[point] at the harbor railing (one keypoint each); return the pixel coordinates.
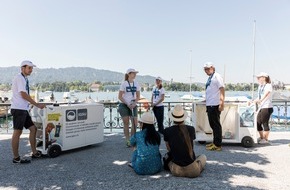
(112, 120)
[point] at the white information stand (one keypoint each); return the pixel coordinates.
(66, 127)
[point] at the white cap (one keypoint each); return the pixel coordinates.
(208, 65)
(132, 71)
(262, 74)
(29, 63)
(158, 78)
(147, 117)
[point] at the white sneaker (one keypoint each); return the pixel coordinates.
(263, 141)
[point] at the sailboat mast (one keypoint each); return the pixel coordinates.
(190, 59)
(254, 57)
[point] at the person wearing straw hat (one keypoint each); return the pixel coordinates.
(19, 110)
(157, 98)
(214, 97)
(129, 95)
(264, 101)
(146, 158)
(179, 143)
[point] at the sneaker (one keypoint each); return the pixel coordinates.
(128, 144)
(214, 147)
(20, 161)
(209, 145)
(263, 141)
(37, 155)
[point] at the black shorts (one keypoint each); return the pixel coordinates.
(21, 118)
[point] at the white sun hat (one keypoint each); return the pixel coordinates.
(147, 117)
(177, 114)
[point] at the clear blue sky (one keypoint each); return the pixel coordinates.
(152, 36)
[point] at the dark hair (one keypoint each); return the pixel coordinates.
(184, 132)
(160, 86)
(126, 76)
(151, 136)
(267, 79)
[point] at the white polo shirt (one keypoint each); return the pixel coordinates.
(129, 91)
(212, 92)
(19, 85)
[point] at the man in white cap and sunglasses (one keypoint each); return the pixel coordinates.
(214, 96)
(19, 111)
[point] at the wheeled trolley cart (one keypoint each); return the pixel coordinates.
(65, 127)
(238, 124)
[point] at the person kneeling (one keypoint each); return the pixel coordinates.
(146, 158)
(181, 160)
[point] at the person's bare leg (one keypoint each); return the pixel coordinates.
(266, 135)
(261, 133)
(32, 139)
(126, 127)
(15, 142)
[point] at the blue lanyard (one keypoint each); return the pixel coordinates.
(131, 88)
(27, 83)
(261, 91)
(208, 81)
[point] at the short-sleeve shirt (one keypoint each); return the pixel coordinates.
(178, 147)
(147, 159)
(19, 85)
(129, 90)
(262, 90)
(157, 94)
(212, 92)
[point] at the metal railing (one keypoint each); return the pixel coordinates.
(112, 119)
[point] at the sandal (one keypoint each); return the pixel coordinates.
(18, 160)
(36, 155)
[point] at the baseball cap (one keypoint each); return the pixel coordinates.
(132, 71)
(208, 65)
(158, 78)
(29, 63)
(262, 74)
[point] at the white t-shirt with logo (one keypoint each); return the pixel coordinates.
(262, 90)
(129, 90)
(157, 95)
(19, 85)
(212, 92)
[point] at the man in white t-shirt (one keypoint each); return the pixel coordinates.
(215, 95)
(19, 111)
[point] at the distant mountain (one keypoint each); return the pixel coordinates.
(70, 74)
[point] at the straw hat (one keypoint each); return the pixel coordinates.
(177, 114)
(147, 117)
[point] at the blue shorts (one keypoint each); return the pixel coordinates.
(125, 111)
(21, 118)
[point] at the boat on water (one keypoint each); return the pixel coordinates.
(166, 95)
(190, 97)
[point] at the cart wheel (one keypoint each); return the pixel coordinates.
(54, 151)
(201, 142)
(247, 142)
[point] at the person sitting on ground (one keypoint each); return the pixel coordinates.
(179, 143)
(146, 158)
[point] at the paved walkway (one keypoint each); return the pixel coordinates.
(104, 166)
